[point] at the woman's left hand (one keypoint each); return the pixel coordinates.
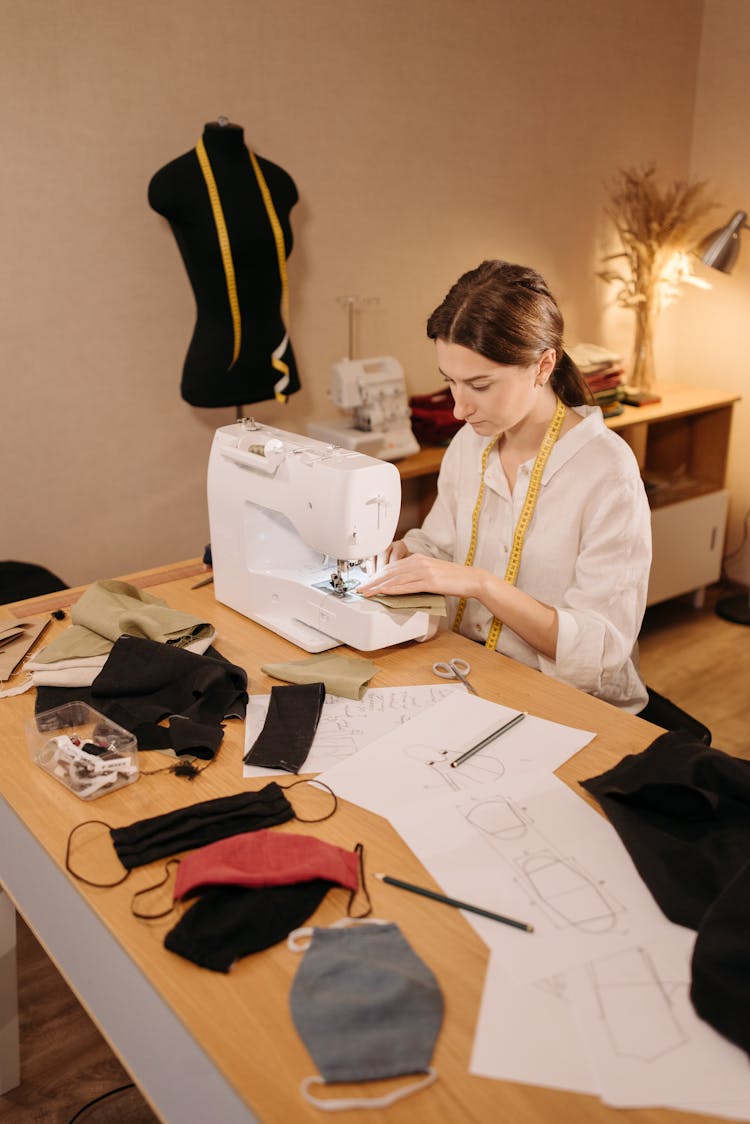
(420, 573)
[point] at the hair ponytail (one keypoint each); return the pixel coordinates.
(569, 384)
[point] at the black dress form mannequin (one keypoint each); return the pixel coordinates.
(212, 376)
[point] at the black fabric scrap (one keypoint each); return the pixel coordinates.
(144, 682)
(682, 810)
(292, 719)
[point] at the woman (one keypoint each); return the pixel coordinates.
(541, 534)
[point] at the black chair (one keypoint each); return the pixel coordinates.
(19, 580)
(663, 712)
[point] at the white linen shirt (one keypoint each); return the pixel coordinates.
(587, 551)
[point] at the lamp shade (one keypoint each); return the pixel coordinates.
(720, 248)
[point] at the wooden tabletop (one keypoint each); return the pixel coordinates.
(242, 1020)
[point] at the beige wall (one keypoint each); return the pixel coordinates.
(713, 327)
(423, 135)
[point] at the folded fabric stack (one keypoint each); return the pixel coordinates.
(148, 667)
(432, 417)
(103, 613)
(604, 374)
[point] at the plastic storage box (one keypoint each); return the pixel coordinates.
(88, 753)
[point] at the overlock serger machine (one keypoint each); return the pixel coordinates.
(294, 524)
(373, 392)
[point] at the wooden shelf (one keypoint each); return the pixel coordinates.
(424, 463)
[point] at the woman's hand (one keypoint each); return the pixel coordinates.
(419, 573)
(532, 620)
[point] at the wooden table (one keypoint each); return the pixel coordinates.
(205, 1046)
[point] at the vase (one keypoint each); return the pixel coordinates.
(643, 374)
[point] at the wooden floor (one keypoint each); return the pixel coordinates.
(695, 658)
(702, 663)
(65, 1062)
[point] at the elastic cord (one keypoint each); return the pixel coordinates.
(320, 784)
(297, 936)
(342, 1103)
(148, 889)
(79, 877)
(359, 850)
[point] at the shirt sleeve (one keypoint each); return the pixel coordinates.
(437, 535)
(600, 616)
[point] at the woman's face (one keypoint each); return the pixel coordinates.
(491, 397)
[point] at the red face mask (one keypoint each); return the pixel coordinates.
(265, 858)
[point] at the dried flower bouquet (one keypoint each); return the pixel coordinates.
(657, 227)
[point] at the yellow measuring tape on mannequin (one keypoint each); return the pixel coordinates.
(278, 237)
(228, 263)
(226, 249)
(532, 494)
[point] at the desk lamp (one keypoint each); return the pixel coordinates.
(720, 249)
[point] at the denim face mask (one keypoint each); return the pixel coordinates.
(366, 1007)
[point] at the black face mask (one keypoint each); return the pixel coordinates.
(186, 828)
(229, 922)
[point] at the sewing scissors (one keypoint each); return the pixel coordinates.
(454, 669)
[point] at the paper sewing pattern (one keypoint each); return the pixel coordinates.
(348, 725)
(567, 893)
(635, 1005)
(599, 996)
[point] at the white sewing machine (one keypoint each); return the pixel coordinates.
(374, 391)
(294, 524)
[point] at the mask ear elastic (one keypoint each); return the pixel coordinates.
(79, 877)
(359, 850)
(297, 936)
(148, 889)
(363, 1102)
(320, 784)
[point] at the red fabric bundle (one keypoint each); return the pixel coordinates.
(432, 417)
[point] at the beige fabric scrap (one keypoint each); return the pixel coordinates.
(346, 676)
(432, 603)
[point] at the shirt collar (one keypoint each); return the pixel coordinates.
(564, 449)
(575, 439)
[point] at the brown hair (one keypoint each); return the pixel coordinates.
(507, 314)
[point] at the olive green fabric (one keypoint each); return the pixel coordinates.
(110, 609)
(346, 676)
(432, 603)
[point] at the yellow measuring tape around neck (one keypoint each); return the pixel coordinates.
(228, 263)
(532, 494)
